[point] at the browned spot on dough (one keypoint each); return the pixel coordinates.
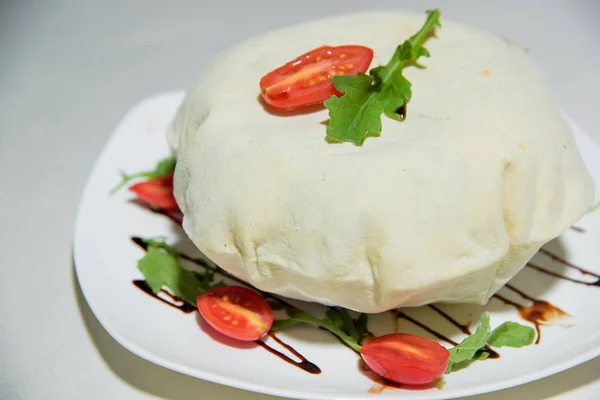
(485, 72)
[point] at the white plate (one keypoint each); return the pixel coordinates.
(106, 259)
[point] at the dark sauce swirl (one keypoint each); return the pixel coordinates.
(538, 313)
(303, 364)
(567, 264)
(175, 302)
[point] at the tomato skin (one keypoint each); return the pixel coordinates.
(236, 312)
(157, 192)
(406, 358)
(307, 80)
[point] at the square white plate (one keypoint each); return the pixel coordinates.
(106, 264)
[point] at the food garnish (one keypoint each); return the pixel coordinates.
(385, 90)
(472, 348)
(237, 312)
(405, 358)
(157, 192)
(164, 167)
(160, 267)
(337, 321)
(511, 334)
(307, 79)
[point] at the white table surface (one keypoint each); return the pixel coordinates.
(69, 70)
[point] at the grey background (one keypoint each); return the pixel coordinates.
(69, 70)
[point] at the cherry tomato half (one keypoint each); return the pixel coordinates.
(307, 80)
(157, 192)
(236, 312)
(406, 358)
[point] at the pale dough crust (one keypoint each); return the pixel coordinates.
(445, 206)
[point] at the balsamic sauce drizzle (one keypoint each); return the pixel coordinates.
(187, 308)
(175, 216)
(396, 314)
(465, 329)
(177, 303)
(538, 313)
(567, 264)
(563, 277)
(303, 364)
(402, 111)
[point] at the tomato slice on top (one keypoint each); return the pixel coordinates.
(307, 80)
(406, 358)
(157, 192)
(236, 312)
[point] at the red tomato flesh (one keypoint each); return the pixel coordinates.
(157, 192)
(236, 312)
(307, 80)
(406, 358)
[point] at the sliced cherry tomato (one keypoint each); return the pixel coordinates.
(236, 312)
(307, 80)
(406, 358)
(157, 192)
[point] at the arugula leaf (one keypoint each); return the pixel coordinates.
(333, 322)
(361, 326)
(207, 279)
(160, 267)
(283, 324)
(479, 356)
(349, 324)
(466, 350)
(334, 318)
(472, 348)
(164, 167)
(357, 114)
(511, 334)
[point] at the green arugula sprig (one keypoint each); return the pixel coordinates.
(338, 321)
(357, 114)
(160, 267)
(472, 348)
(164, 167)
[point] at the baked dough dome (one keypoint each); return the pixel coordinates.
(446, 206)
